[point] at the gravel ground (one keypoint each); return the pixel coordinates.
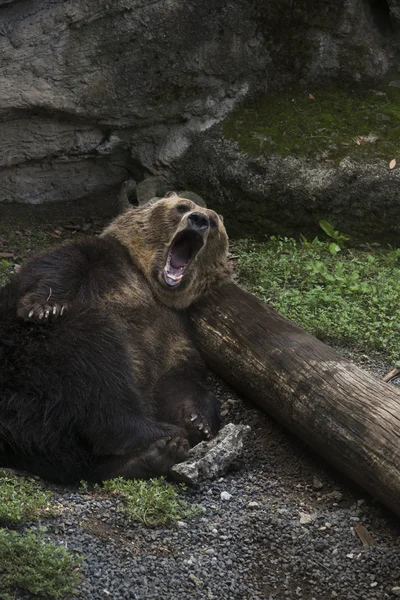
(285, 531)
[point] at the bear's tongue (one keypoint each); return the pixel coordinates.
(180, 254)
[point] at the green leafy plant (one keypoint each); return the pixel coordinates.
(154, 502)
(5, 271)
(339, 238)
(29, 563)
(22, 500)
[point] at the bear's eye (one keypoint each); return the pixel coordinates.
(182, 208)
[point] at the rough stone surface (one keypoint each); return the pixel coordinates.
(94, 92)
(212, 459)
(291, 194)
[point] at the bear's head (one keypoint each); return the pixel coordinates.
(180, 247)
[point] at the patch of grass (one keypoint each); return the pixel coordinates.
(6, 268)
(348, 296)
(29, 563)
(337, 121)
(154, 502)
(22, 500)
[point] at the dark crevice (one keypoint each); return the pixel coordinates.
(381, 15)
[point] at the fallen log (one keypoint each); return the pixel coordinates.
(349, 417)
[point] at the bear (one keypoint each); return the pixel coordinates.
(99, 373)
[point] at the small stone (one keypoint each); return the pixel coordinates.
(195, 579)
(226, 496)
(253, 505)
(336, 496)
(351, 555)
(306, 518)
(317, 484)
(374, 584)
(396, 590)
(181, 524)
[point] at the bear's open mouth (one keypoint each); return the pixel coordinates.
(182, 251)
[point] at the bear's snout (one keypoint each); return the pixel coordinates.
(198, 221)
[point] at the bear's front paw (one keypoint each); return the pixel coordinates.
(41, 313)
(197, 427)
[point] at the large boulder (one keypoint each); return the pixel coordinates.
(93, 92)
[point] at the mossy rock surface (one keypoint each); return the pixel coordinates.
(327, 123)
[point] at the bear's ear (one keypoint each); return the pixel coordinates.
(222, 218)
(171, 195)
(193, 197)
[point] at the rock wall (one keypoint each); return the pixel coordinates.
(93, 92)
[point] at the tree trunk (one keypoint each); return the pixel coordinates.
(349, 417)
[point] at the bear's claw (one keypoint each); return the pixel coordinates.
(42, 313)
(198, 427)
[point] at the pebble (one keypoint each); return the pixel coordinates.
(317, 484)
(306, 518)
(396, 590)
(226, 496)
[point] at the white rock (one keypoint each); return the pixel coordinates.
(209, 460)
(396, 590)
(226, 496)
(306, 518)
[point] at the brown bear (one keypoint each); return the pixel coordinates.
(99, 376)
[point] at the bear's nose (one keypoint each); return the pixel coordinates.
(198, 221)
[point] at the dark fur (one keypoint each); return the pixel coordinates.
(111, 386)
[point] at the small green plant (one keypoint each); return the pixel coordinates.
(22, 500)
(154, 502)
(29, 563)
(5, 271)
(339, 238)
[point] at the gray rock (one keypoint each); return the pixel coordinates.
(286, 194)
(94, 92)
(317, 484)
(209, 460)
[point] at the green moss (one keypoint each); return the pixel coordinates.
(29, 563)
(154, 502)
(6, 268)
(350, 121)
(22, 500)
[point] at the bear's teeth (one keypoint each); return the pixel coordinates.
(175, 278)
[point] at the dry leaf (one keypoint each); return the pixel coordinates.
(364, 535)
(54, 235)
(311, 97)
(392, 164)
(359, 140)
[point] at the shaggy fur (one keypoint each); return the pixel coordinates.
(99, 376)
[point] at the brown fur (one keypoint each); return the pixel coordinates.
(109, 380)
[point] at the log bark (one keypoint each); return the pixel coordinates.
(346, 415)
